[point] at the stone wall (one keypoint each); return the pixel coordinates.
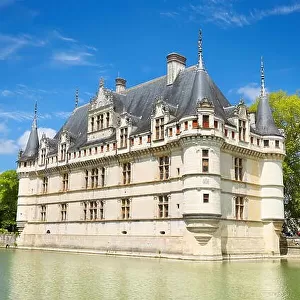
(7, 239)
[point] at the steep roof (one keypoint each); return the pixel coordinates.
(32, 147)
(265, 124)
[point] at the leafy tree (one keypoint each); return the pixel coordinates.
(286, 113)
(8, 199)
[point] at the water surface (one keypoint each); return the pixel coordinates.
(41, 275)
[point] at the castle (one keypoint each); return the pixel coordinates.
(166, 168)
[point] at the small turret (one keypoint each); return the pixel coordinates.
(32, 146)
(265, 124)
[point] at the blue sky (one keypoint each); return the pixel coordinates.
(50, 48)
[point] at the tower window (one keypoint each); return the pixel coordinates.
(205, 160)
(242, 130)
(205, 198)
(205, 121)
(266, 143)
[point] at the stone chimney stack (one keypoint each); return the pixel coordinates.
(175, 63)
(120, 85)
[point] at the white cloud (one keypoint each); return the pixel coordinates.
(22, 140)
(63, 38)
(73, 58)
(3, 128)
(8, 146)
(249, 92)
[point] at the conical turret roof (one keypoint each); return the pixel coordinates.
(265, 124)
(32, 146)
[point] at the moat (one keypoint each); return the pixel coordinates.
(27, 275)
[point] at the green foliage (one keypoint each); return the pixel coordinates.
(286, 113)
(8, 199)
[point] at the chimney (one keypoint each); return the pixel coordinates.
(175, 63)
(120, 85)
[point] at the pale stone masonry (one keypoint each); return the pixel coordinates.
(167, 168)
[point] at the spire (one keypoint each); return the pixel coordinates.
(200, 65)
(262, 78)
(32, 146)
(76, 98)
(265, 124)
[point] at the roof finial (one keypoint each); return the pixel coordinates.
(101, 82)
(200, 56)
(262, 78)
(34, 123)
(76, 98)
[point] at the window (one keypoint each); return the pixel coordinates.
(43, 213)
(205, 121)
(45, 184)
(86, 179)
(251, 139)
(159, 128)
(101, 210)
(63, 150)
(43, 157)
(238, 168)
(107, 119)
(98, 122)
(226, 132)
(242, 130)
(177, 129)
(216, 124)
(92, 123)
(164, 165)
(205, 160)
(101, 148)
(126, 173)
(65, 181)
(84, 152)
(123, 137)
(149, 138)
(140, 140)
(132, 142)
(163, 206)
(186, 125)
(171, 131)
(266, 143)
(195, 124)
(85, 206)
(63, 212)
(232, 135)
(205, 198)
(102, 174)
(96, 150)
(125, 208)
(257, 142)
(101, 122)
(93, 210)
(276, 143)
(239, 208)
(107, 147)
(114, 146)
(94, 178)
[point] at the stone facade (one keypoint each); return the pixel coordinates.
(201, 185)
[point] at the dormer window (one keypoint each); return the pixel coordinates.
(123, 137)
(205, 121)
(159, 128)
(242, 130)
(63, 151)
(92, 123)
(43, 156)
(107, 119)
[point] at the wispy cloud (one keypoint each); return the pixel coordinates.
(11, 44)
(226, 13)
(73, 58)
(63, 38)
(8, 146)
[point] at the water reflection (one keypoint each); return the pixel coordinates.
(27, 275)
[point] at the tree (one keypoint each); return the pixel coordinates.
(8, 199)
(286, 114)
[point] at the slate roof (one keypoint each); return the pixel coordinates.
(32, 147)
